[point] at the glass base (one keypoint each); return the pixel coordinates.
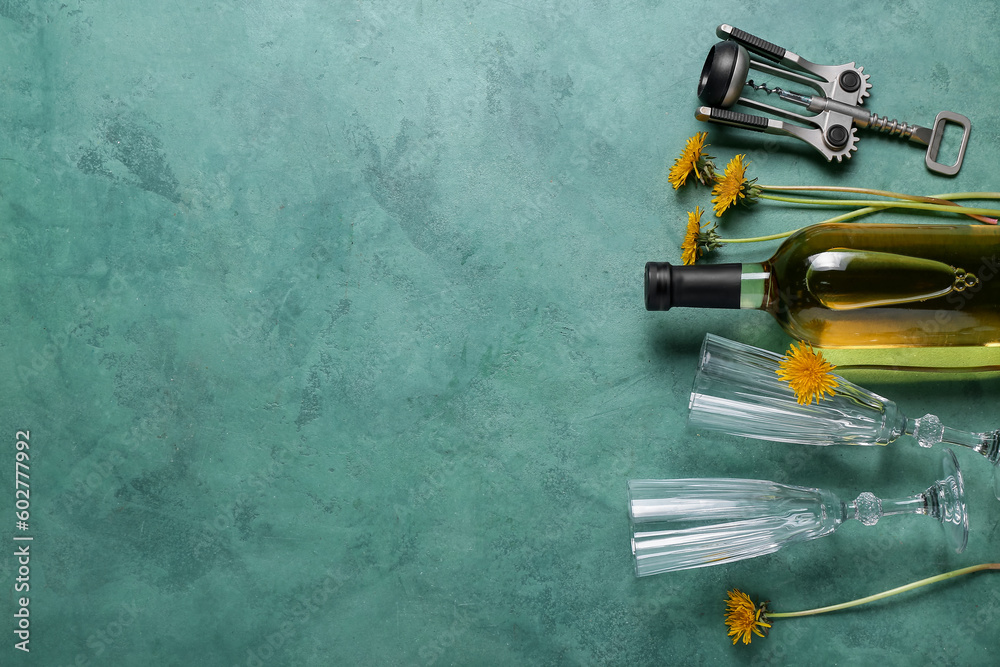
(951, 497)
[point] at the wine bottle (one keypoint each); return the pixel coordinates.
(851, 286)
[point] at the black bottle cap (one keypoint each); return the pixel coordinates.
(708, 286)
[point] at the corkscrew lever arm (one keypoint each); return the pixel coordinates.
(845, 82)
(809, 131)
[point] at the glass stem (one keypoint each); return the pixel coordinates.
(911, 505)
(869, 508)
(928, 430)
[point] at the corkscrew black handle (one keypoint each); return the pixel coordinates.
(761, 47)
(746, 121)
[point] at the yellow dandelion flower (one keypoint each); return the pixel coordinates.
(689, 247)
(808, 374)
(692, 160)
(744, 617)
(733, 187)
(697, 240)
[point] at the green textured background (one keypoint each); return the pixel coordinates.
(326, 320)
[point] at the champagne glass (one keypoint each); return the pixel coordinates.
(737, 391)
(679, 524)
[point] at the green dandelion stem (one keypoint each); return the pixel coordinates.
(877, 193)
(865, 211)
(934, 199)
(755, 239)
(923, 206)
(772, 237)
(969, 195)
(889, 593)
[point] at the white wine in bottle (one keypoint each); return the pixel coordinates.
(853, 287)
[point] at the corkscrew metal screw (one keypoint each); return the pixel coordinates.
(837, 111)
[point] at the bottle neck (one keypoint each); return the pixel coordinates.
(754, 280)
(706, 286)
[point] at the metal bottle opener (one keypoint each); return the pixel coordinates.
(832, 130)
